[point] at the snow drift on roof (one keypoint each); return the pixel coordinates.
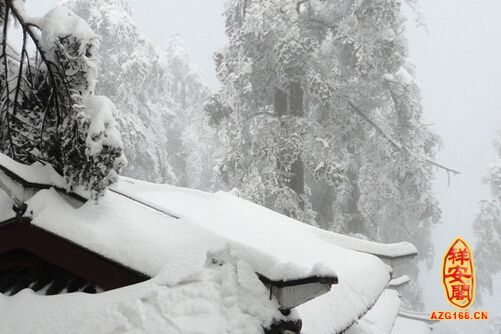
(217, 299)
(37, 173)
(294, 249)
(129, 233)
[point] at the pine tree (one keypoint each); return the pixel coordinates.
(49, 111)
(487, 227)
(191, 140)
(160, 95)
(321, 118)
(261, 108)
(387, 194)
(134, 78)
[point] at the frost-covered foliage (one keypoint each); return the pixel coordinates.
(296, 78)
(159, 93)
(487, 226)
(271, 144)
(49, 111)
(191, 139)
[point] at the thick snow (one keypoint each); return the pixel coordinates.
(400, 280)
(410, 326)
(294, 245)
(129, 233)
(60, 22)
(388, 250)
(103, 128)
(214, 300)
(41, 174)
(320, 315)
(184, 229)
(36, 173)
(274, 245)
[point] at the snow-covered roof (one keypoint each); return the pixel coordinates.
(281, 247)
(421, 316)
(20, 181)
(392, 250)
(399, 281)
(218, 299)
(380, 318)
(209, 225)
(410, 326)
(320, 316)
(173, 233)
(412, 322)
(36, 174)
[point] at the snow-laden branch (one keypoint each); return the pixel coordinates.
(395, 144)
(27, 24)
(49, 110)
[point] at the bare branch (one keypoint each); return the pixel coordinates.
(20, 75)
(6, 68)
(397, 146)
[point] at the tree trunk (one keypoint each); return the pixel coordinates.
(297, 109)
(280, 108)
(292, 105)
(280, 102)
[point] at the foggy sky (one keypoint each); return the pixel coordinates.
(200, 23)
(458, 70)
(458, 67)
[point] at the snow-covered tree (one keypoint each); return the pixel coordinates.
(159, 93)
(487, 226)
(49, 112)
(133, 77)
(321, 118)
(387, 194)
(271, 144)
(191, 140)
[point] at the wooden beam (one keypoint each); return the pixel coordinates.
(19, 233)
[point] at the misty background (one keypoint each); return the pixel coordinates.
(457, 57)
(457, 63)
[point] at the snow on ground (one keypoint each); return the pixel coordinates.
(410, 326)
(215, 300)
